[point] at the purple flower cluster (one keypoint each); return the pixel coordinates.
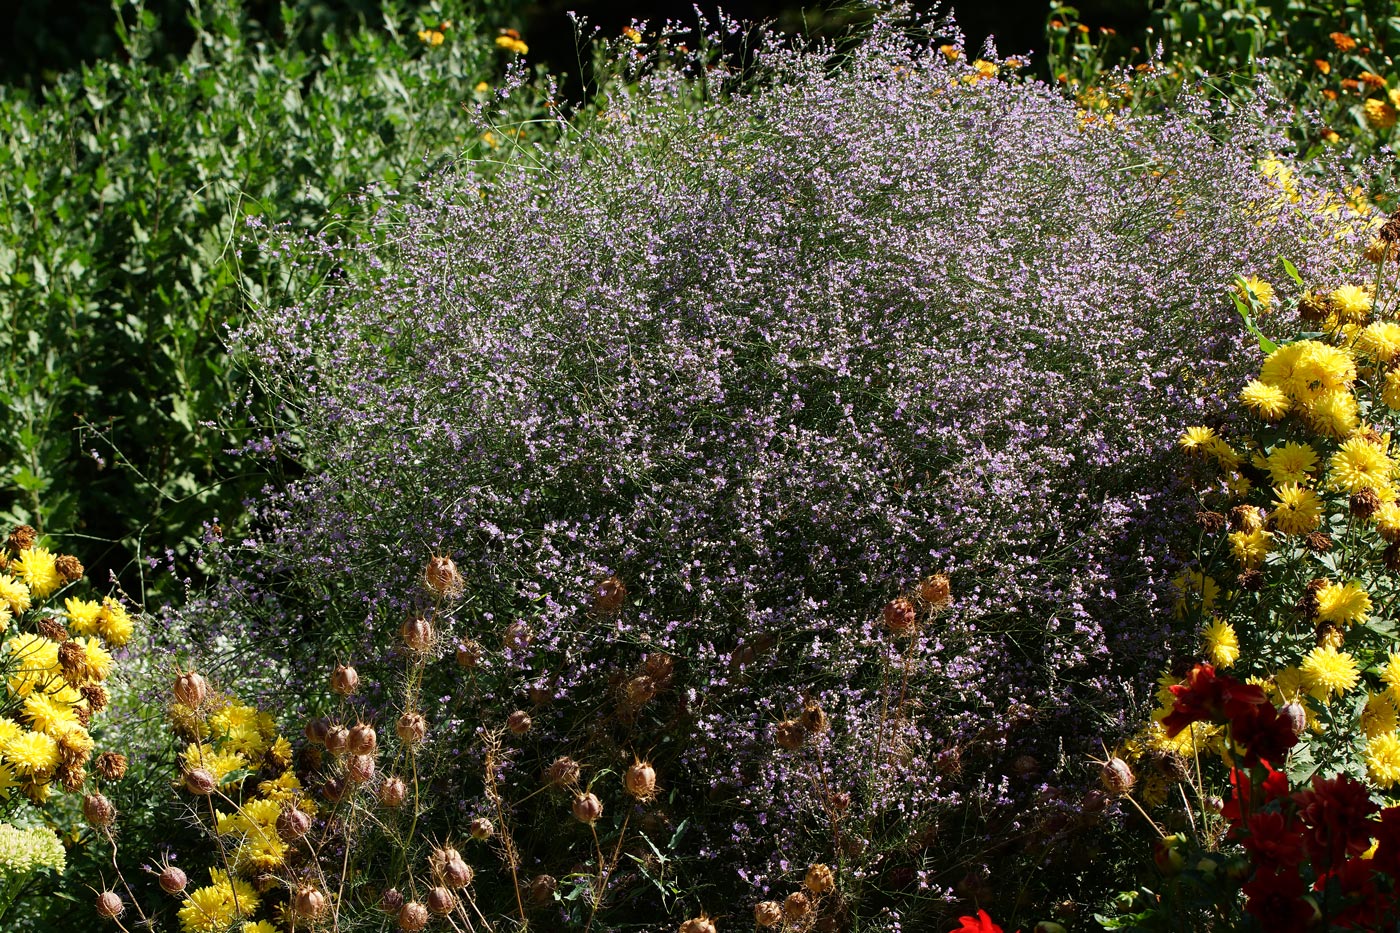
(769, 358)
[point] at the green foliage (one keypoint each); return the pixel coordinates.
(124, 193)
(1331, 60)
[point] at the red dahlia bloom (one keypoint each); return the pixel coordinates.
(1211, 697)
(982, 923)
(1275, 898)
(1274, 842)
(1266, 734)
(1337, 812)
(1274, 786)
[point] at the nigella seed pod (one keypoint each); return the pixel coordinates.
(391, 901)
(789, 734)
(98, 811)
(468, 655)
(308, 902)
(542, 889)
(519, 722)
(796, 906)
(172, 880)
(659, 666)
(442, 579)
(936, 591)
(344, 680)
(639, 691)
(517, 636)
(819, 880)
(359, 769)
(640, 781)
(200, 782)
(1296, 716)
(609, 595)
(587, 808)
(109, 905)
(700, 924)
(363, 739)
(393, 792)
(481, 829)
(900, 617)
(413, 917)
(411, 728)
(417, 633)
(191, 689)
(337, 740)
(334, 789)
(768, 913)
(292, 824)
(316, 731)
(111, 765)
(840, 801)
(563, 772)
(814, 718)
(1115, 775)
(441, 901)
(456, 874)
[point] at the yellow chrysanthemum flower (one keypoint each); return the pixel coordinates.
(1291, 463)
(1380, 341)
(44, 715)
(1262, 292)
(8, 781)
(1195, 591)
(1308, 368)
(262, 926)
(15, 594)
(33, 663)
(1332, 413)
(1197, 438)
(1359, 464)
(9, 729)
(1297, 511)
(1387, 521)
(1352, 303)
(1379, 115)
(1382, 757)
(511, 44)
(5, 616)
(209, 909)
(96, 659)
(1222, 453)
(38, 568)
(114, 624)
(1379, 716)
(1328, 672)
(32, 754)
(1250, 547)
(1343, 604)
(82, 615)
(1268, 402)
(1222, 647)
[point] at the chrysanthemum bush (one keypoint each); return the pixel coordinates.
(715, 406)
(1293, 755)
(53, 664)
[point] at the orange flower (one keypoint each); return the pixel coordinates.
(1322, 65)
(1351, 84)
(1329, 93)
(1372, 80)
(1342, 41)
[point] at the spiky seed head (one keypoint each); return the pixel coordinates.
(441, 902)
(172, 880)
(768, 913)
(109, 905)
(345, 680)
(417, 633)
(98, 811)
(519, 722)
(191, 689)
(308, 902)
(481, 829)
(587, 808)
(640, 780)
(363, 739)
(442, 578)
(411, 728)
(200, 782)
(413, 917)
(393, 792)
(819, 879)
(292, 824)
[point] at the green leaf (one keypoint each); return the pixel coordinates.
(1292, 271)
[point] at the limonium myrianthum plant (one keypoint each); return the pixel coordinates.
(1284, 720)
(720, 380)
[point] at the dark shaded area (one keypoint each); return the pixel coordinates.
(41, 38)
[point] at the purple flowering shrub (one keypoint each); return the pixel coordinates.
(691, 399)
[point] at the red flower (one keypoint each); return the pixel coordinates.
(982, 923)
(1354, 902)
(1206, 696)
(1273, 787)
(1387, 857)
(1274, 842)
(1275, 898)
(1265, 733)
(1337, 812)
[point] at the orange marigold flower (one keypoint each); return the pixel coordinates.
(1342, 41)
(1322, 65)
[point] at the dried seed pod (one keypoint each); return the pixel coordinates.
(316, 730)
(413, 917)
(813, 718)
(700, 924)
(840, 801)
(768, 913)
(441, 901)
(98, 811)
(468, 654)
(519, 722)
(796, 906)
(359, 769)
(391, 901)
(308, 902)
(411, 728)
(69, 568)
(456, 874)
(111, 766)
(1296, 715)
(191, 689)
(518, 636)
(900, 617)
(659, 666)
(609, 595)
(393, 792)
(819, 879)
(172, 880)
(789, 734)
(542, 888)
(417, 633)
(22, 538)
(363, 739)
(337, 740)
(442, 579)
(109, 905)
(639, 691)
(481, 829)
(640, 781)
(1115, 775)
(587, 808)
(345, 680)
(334, 789)
(563, 772)
(200, 782)
(936, 591)
(292, 824)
